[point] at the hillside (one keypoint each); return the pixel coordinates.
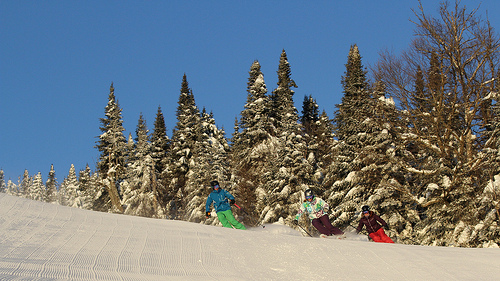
(40, 241)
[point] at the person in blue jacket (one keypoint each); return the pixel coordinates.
(219, 197)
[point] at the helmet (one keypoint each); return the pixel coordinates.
(365, 208)
(309, 194)
(214, 183)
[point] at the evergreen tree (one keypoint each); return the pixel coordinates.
(140, 196)
(160, 143)
(310, 115)
(324, 141)
(486, 232)
(87, 188)
(381, 182)
(255, 120)
(209, 162)
(181, 152)
(36, 191)
(283, 110)
(350, 127)
(249, 155)
(289, 176)
(351, 131)
(12, 188)
(2, 182)
(62, 194)
(129, 148)
(367, 169)
(69, 190)
(356, 103)
(318, 138)
(73, 189)
(24, 185)
(111, 165)
(51, 186)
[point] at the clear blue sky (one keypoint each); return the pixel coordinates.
(58, 59)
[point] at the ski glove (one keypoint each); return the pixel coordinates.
(296, 222)
(207, 214)
(231, 201)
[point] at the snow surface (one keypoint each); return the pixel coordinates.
(41, 241)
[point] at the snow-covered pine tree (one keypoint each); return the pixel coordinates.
(283, 111)
(36, 190)
(3, 187)
(111, 165)
(24, 185)
(209, 163)
(184, 140)
(11, 188)
(160, 145)
(140, 196)
(251, 152)
(325, 142)
(51, 186)
(283, 190)
(351, 127)
(382, 179)
(310, 114)
(486, 233)
(356, 107)
(69, 190)
(160, 142)
(317, 133)
(128, 155)
(87, 184)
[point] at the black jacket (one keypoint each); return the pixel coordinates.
(371, 222)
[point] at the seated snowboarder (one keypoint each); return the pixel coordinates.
(317, 209)
(222, 207)
(374, 225)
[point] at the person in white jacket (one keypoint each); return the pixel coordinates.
(317, 209)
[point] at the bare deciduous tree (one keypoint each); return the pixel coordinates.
(440, 85)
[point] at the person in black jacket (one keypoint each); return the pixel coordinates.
(374, 225)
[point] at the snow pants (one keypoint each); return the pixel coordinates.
(324, 226)
(227, 219)
(380, 236)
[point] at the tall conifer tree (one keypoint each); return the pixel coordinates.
(184, 139)
(140, 196)
(352, 126)
(87, 183)
(111, 165)
(289, 172)
(160, 142)
(24, 185)
(3, 187)
(51, 186)
(36, 190)
(283, 110)
(250, 152)
(209, 163)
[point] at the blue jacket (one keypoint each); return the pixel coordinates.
(219, 198)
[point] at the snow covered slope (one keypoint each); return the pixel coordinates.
(40, 241)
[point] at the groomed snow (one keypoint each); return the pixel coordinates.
(40, 241)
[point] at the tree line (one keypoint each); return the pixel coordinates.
(418, 143)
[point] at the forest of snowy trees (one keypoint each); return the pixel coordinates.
(417, 139)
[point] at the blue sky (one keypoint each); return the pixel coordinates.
(58, 59)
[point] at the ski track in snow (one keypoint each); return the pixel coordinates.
(40, 241)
